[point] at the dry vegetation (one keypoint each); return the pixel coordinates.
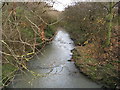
(94, 28)
(27, 27)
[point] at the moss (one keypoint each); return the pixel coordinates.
(49, 32)
(27, 32)
(8, 71)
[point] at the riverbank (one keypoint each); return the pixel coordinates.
(26, 29)
(101, 71)
(9, 70)
(56, 71)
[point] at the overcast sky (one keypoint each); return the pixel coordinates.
(61, 4)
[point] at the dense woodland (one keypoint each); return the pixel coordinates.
(94, 28)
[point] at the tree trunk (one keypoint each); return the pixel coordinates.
(119, 8)
(110, 17)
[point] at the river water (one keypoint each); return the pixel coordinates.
(52, 69)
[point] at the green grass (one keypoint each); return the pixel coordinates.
(8, 71)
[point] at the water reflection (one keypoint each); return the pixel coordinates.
(59, 72)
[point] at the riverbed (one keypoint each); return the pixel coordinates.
(51, 68)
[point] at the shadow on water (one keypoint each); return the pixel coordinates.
(53, 68)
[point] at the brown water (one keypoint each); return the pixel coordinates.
(57, 71)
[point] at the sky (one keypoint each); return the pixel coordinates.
(61, 4)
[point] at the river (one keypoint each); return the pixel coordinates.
(52, 68)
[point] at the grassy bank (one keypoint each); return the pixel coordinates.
(101, 70)
(95, 32)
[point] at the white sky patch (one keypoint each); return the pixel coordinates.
(61, 4)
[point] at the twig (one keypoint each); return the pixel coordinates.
(31, 22)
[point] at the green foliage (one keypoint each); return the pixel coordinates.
(27, 32)
(49, 32)
(7, 69)
(8, 72)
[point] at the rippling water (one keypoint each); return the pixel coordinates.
(52, 69)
